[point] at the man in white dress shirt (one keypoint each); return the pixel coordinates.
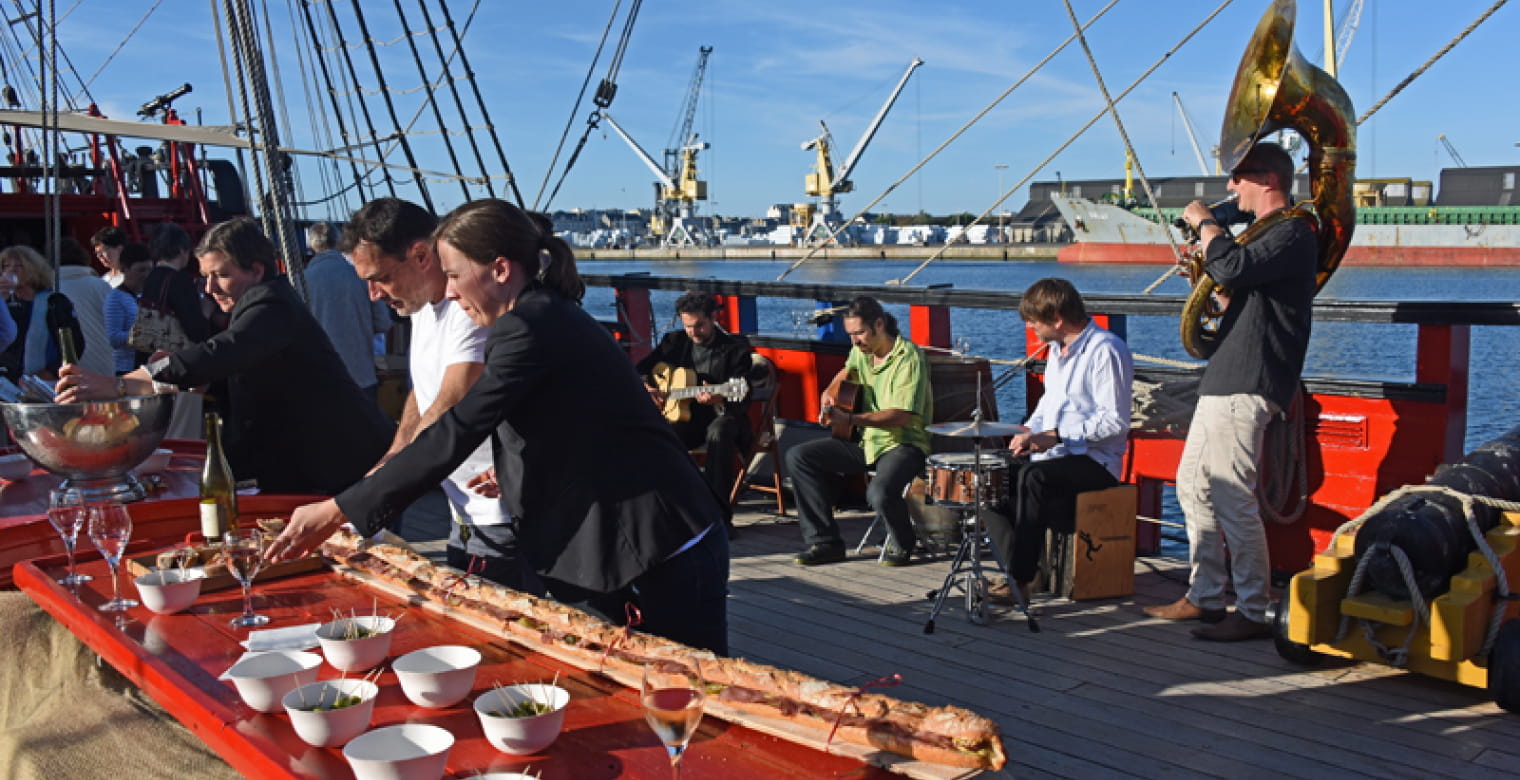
(1077, 434)
(391, 246)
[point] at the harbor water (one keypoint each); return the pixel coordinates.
(1337, 349)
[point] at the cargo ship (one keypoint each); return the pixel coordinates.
(1474, 222)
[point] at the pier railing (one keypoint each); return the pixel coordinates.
(1363, 437)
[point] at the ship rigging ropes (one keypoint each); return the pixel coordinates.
(605, 92)
(967, 126)
(338, 73)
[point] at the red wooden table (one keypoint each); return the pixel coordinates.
(177, 658)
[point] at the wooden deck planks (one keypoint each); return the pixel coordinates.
(1222, 710)
(1103, 691)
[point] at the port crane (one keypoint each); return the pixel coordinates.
(1192, 137)
(674, 219)
(677, 188)
(681, 135)
(825, 182)
(1452, 150)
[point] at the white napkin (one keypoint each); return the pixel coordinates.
(289, 638)
(268, 640)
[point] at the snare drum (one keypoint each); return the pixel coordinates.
(952, 479)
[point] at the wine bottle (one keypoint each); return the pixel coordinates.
(66, 346)
(218, 488)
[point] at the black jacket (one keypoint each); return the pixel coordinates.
(1265, 332)
(600, 487)
(727, 357)
(296, 421)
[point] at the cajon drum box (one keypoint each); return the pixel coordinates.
(1097, 560)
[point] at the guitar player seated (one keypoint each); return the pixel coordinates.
(894, 404)
(704, 358)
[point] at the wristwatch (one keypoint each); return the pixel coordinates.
(1207, 222)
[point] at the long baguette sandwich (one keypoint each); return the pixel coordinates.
(943, 735)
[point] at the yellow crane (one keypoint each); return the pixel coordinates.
(825, 181)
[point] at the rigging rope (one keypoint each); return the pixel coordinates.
(352, 75)
(469, 134)
(428, 100)
(953, 136)
(576, 109)
(1438, 55)
(85, 90)
(52, 51)
(1113, 111)
(1501, 578)
(227, 86)
(390, 106)
(605, 92)
(1283, 443)
(276, 211)
(286, 168)
(321, 124)
(1069, 141)
(480, 101)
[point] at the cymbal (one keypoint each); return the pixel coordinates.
(976, 429)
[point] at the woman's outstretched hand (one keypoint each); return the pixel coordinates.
(309, 526)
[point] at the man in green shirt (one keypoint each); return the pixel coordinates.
(893, 405)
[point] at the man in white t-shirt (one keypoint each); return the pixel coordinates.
(390, 243)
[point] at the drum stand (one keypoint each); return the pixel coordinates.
(966, 569)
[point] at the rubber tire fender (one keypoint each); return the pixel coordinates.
(1291, 651)
(1504, 667)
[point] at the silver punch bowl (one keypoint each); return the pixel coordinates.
(93, 445)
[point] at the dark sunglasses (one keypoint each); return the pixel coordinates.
(1241, 172)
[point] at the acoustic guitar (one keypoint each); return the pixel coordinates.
(680, 386)
(846, 399)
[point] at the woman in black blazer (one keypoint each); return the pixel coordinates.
(609, 507)
(296, 422)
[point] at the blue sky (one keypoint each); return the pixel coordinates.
(779, 67)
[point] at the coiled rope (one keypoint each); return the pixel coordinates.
(1397, 657)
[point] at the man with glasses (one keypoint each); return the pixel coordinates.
(1252, 376)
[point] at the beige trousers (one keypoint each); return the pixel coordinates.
(1216, 486)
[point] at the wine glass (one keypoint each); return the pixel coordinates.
(110, 528)
(244, 550)
(673, 695)
(66, 511)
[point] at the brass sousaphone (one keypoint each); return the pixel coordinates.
(1276, 88)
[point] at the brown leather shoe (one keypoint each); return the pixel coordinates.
(1234, 628)
(1002, 593)
(1182, 609)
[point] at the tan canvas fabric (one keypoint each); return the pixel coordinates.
(62, 715)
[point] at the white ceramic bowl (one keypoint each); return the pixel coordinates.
(410, 751)
(264, 679)
(330, 727)
(437, 676)
(520, 736)
(156, 463)
(15, 466)
(167, 591)
(356, 655)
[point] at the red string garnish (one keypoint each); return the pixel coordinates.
(476, 566)
(633, 618)
(881, 682)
